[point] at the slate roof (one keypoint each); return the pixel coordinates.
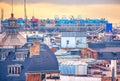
(109, 55)
(10, 61)
(44, 62)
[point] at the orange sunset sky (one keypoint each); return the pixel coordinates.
(108, 9)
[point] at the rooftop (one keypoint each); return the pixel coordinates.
(44, 62)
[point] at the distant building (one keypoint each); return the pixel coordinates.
(73, 40)
(71, 55)
(79, 78)
(33, 38)
(109, 28)
(106, 50)
(73, 68)
(109, 51)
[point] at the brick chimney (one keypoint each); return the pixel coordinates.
(33, 77)
(35, 49)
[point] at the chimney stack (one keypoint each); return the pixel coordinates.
(35, 49)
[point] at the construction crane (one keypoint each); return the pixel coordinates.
(25, 15)
(1, 18)
(2, 14)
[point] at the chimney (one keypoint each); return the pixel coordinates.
(114, 68)
(35, 49)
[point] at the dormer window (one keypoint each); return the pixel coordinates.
(3, 56)
(14, 70)
(42, 48)
(21, 57)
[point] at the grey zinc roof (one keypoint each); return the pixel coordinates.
(108, 55)
(113, 44)
(96, 45)
(74, 34)
(108, 49)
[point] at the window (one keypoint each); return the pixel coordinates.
(14, 70)
(77, 42)
(3, 56)
(21, 56)
(114, 54)
(42, 48)
(100, 55)
(67, 41)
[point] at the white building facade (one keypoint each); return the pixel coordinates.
(73, 40)
(78, 78)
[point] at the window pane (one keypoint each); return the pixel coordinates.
(12, 70)
(9, 70)
(18, 70)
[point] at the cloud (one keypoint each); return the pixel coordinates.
(65, 1)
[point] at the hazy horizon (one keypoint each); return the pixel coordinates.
(108, 9)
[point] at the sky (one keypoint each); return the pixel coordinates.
(108, 9)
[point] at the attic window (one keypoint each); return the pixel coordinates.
(3, 56)
(100, 55)
(114, 54)
(42, 48)
(21, 56)
(14, 70)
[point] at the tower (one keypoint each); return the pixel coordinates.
(11, 37)
(25, 15)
